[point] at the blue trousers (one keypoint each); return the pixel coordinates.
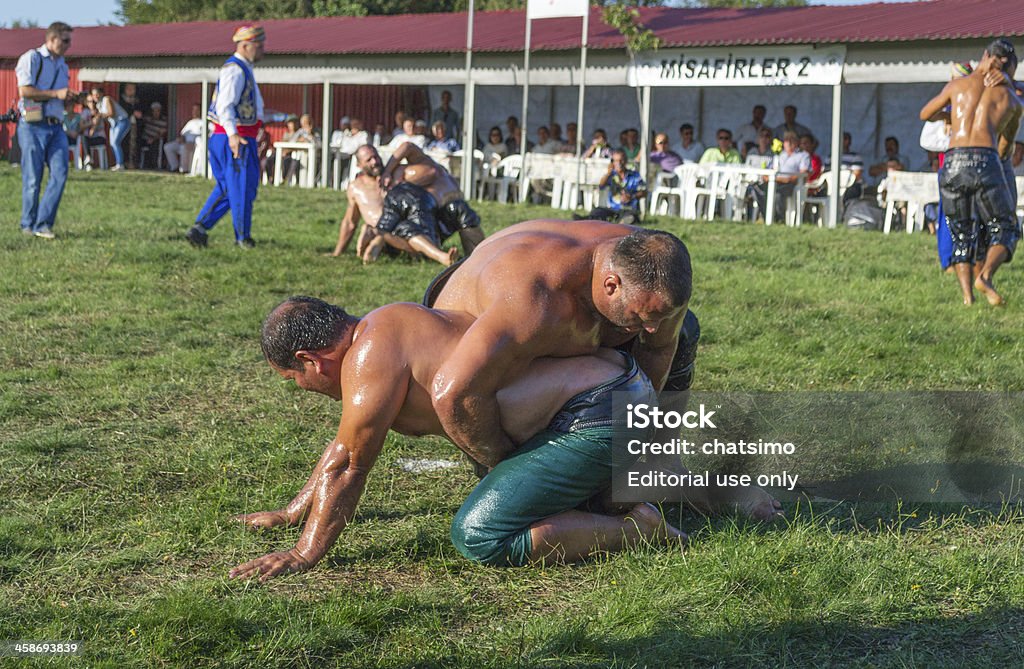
(41, 145)
(238, 179)
(118, 131)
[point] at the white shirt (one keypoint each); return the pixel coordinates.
(550, 147)
(692, 154)
(191, 130)
(401, 138)
(350, 143)
(229, 91)
(746, 133)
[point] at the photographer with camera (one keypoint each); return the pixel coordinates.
(43, 87)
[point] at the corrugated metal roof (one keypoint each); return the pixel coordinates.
(504, 31)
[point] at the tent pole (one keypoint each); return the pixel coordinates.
(579, 109)
(469, 113)
(837, 154)
(206, 129)
(523, 127)
(325, 137)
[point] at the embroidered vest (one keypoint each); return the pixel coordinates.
(245, 110)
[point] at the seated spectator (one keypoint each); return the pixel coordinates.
(293, 133)
(400, 118)
(855, 163)
(154, 131)
(630, 138)
(763, 148)
(72, 120)
(689, 149)
(440, 142)
(598, 146)
(545, 142)
(356, 137)
(408, 134)
(511, 123)
(626, 189)
(1017, 159)
(892, 160)
(380, 135)
(179, 152)
(790, 124)
(422, 130)
(665, 158)
(513, 142)
(809, 145)
(789, 164)
(556, 133)
(495, 149)
(569, 145)
(930, 163)
(91, 130)
(343, 131)
(725, 152)
(748, 133)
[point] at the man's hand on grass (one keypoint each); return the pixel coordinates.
(271, 565)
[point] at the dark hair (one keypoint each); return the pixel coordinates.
(725, 130)
(495, 129)
(1003, 50)
(655, 261)
(761, 107)
(301, 323)
(685, 126)
(893, 139)
(56, 28)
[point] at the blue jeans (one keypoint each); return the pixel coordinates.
(118, 131)
(41, 145)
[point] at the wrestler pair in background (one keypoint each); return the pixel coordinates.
(421, 209)
(973, 184)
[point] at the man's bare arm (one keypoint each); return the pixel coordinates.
(374, 393)
(40, 95)
(655, 352)
(465, 387)
(1009, 133)
(408, 152)
(932, 110)
(348, 224)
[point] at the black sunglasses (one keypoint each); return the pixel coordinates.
(721, 137)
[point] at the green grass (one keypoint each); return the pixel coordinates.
(137, 416)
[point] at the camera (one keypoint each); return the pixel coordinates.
(11, 116)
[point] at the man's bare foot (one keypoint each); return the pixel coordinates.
(453, 256)
(372, 253)
(758, 505)
(652, 525)
(262, 520)
(986, 287)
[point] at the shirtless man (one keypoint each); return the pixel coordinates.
(380, 370)
(558, 288)
(366, 200)
(451, 211)
(984, 123)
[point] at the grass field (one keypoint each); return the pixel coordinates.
(138, 416)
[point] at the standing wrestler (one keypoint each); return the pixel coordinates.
(237, 115)
(984, 123)
(559, 410)
(366, 202)
(558, 288)
(452, 212)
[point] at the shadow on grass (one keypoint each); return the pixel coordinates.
(988, 638)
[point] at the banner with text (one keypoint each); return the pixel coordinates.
(744, 66)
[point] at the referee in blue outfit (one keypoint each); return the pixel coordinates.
(43, 88)
(237, 116)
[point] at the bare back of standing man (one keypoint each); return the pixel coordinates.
(984, 123)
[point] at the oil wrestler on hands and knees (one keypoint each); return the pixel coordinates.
(452, 212)
(525, 510)
(558, 288)
(984, 123)
(366, 202)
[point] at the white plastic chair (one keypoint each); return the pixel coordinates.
(508, 176)
(916, 189)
